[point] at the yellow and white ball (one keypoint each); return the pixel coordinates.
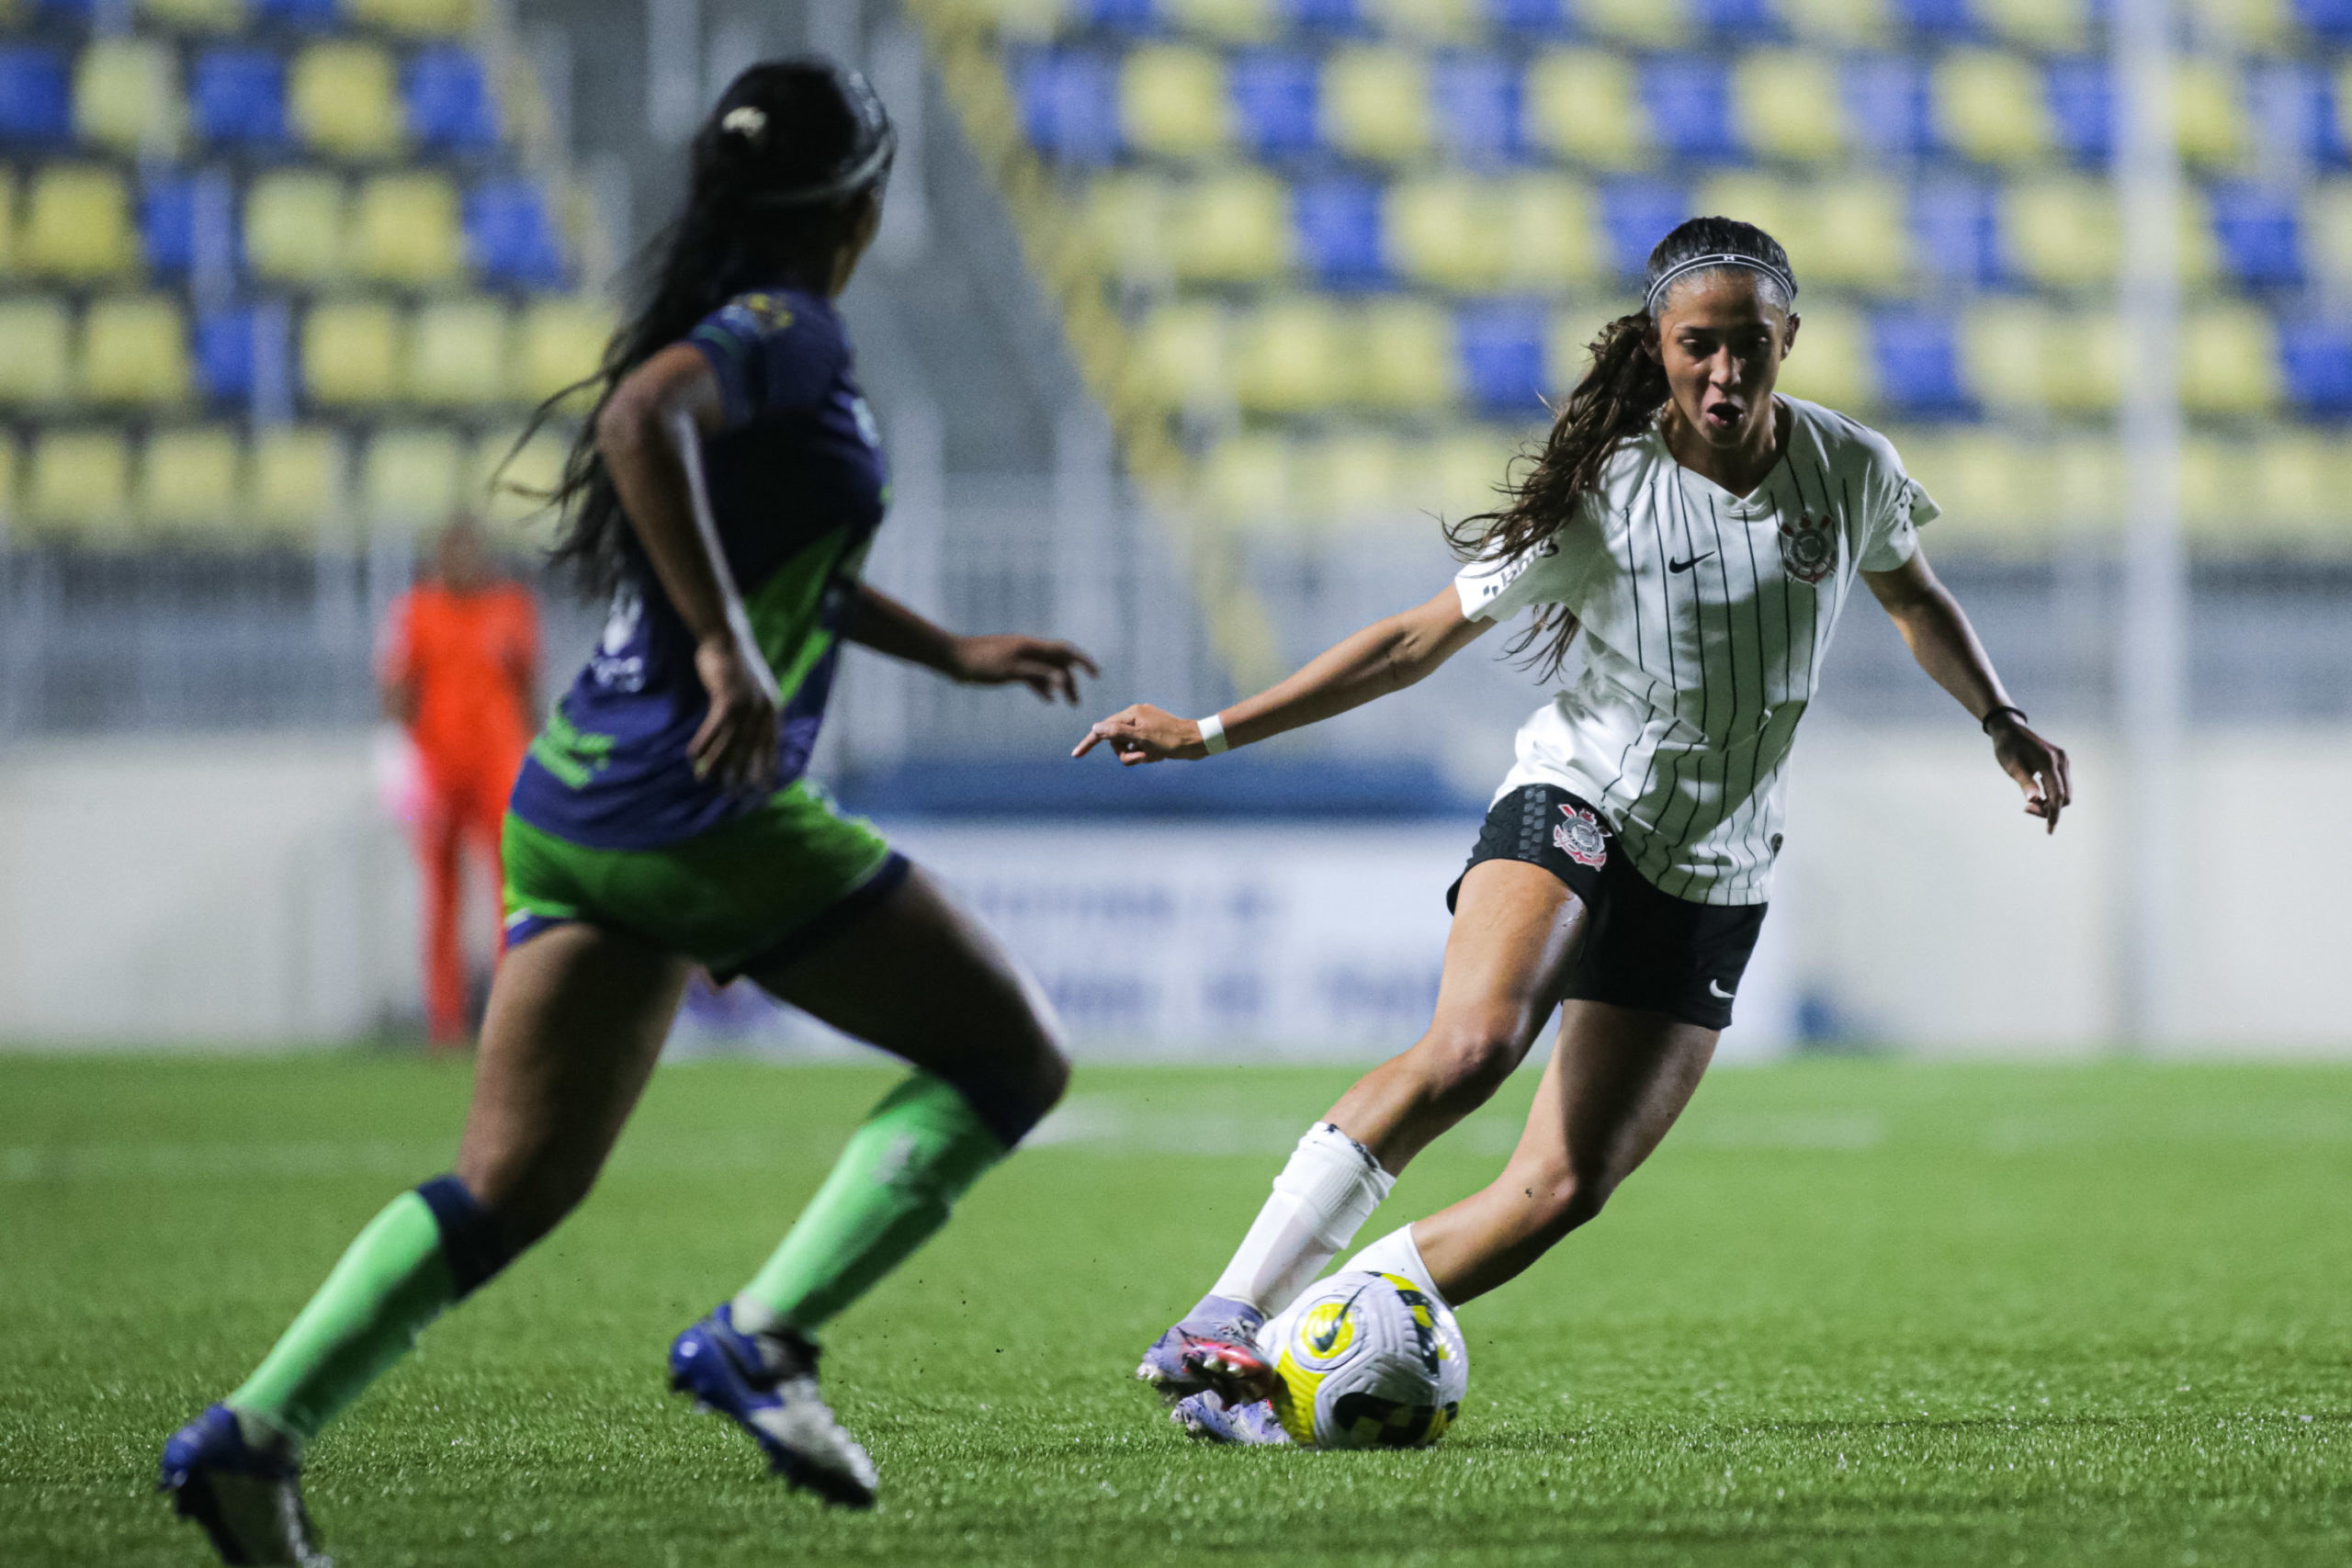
(1367, 1361)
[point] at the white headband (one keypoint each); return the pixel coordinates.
(1683, 269)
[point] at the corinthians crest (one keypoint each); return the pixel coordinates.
(1580, 838)
(1809, 547)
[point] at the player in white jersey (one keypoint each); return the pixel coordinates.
(1701, 534)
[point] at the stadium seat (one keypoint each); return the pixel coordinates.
(2082, 108)
(188, 225)
(1351, 477)
(2003, 344)
(191, 484)
(2062, 231)
(77, 485)
(1550, 234)
(1860, 235)
(1833, 362)
(458, 354)
(1931, 20)
(1069, 106)
(415, 18)
(303, 15)
(1916, 364)
(448, 102)
(2298, 483)
(351, 352)
(2082, 362)
(507, 485)
(1649, 24)
(1429, 21)
(510, 235)
(238, 98)
(1786, 105)
(1375, 103)
(1780, 208)
(2253, 27)
(33, 358)
(1988, 483)
(1502, 358)
(2315, 363)
(1635, 214)
(1275, 102)
(197, 15)
(1288, 356)
(294, 226)
(1956, 230)
(1568, 338)
(411, 478)
(2256, 230)
(1586, 105)
(1889, 104)
(1846, 24)
(35, 96)
(8, 220)
(1339, 240)
(2208, 112)
(134, 351)
(1409, 355)
(2079, 483)
(1232, 227)
(127, 97)
(1688, 98)
(404, 229)
(1463, 468)
(343, 101)
(1025, 19)
(1445, 230)
(77, 225)
(2228, 361)
(224, 353)
(560, 341)
(1990, 106)
(1248, 479)
(1172, 101)
(298, 483)
(1476, 100)
(1231, 21)
(2327, 232)
(2042, 26)
(1126, 225)
(1177, 357)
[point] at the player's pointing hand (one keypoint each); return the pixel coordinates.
(2039, 767)
(1145, 734)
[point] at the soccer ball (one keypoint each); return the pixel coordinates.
(1367, 1361)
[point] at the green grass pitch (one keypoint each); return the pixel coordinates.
(1861, 1312)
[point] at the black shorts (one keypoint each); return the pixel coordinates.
(1642, 948)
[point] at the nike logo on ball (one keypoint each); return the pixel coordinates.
(1717, 991)
(1685, 566)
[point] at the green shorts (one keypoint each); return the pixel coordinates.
(747, 894)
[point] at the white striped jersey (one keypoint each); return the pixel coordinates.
(1705, 616)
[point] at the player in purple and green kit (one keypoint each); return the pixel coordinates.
(726, 492)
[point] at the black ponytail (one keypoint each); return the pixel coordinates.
(1620, 396)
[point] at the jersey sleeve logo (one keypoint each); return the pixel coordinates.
(1580, 837)
(1809, 547)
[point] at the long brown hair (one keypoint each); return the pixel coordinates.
(1619, 398)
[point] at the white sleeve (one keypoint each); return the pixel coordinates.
(1900, 508)
(1499, 587)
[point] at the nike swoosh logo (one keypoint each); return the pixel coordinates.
(1687, 565)
(1717, 991)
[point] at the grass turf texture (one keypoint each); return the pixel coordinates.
(1853, 1312)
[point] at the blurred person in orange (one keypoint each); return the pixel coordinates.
(460, 673)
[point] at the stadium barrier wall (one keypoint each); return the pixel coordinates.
(251, 891)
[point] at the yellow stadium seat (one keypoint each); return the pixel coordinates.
(77, 225)
(127, 97)
(1407, 357)
(341, 98)
(458, 354)
(1246, 482)
(299, 486)
(1172, 100)
(1376, 101)
(1233, 21)
(404, 229)
(2001, 354)
(78, 486)
(508, 485)
(558, 341)
(294, 226)
(2327, 232)
(2082, 369)
(1437, 21)
(1831, 363)
(1232, 227)
(135, 350)
(351, 352)
(191, 483)
(1990, 106)
(1288, 356)
(1444, 230)
(1549, 234)
(197, 15)
(1847, 23)
(2081, 483)
(7, 222)
(2208, 112)
(1861, 235)
(2045, 26)
(1461, 470)
(1786, 103)
(415, 18)
(1780, 208)
(2216, 487)
(2299, 485)
(1178, 357)
(1583, 105)
(1987, 482)
(2259, 26)
(411, 478)
(1654, 24)
(1352, 478)
(1015, 18)
(33, 363)
(1567, 343)
(2228, 361)
(1124, 221)
(2063, 230)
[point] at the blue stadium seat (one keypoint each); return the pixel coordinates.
(2315, 362)
(1275, 97)
(224, 355)
(1737, 18)
(1477, 99)
(1956, 228)
(1548, 17)
(172, 217)
(1119, 15)
(510, 234)
(2329, 18)
(307, 16)
(2260, 239)
(1339, 230)
(449, 100)
(1935, 18)
(2082, 108)
(36, 99)
(1502, 357)
(1333, 16)
(1917, 361)
(1688, 100)
(2297, 106)
(1887, 105)
(1635, 215)
(1069, 104)
(237, 97)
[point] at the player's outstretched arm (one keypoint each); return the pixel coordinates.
(1047, 667)
(1937, 629)
(1385, 657)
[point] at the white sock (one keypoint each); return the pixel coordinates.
(1396, 1254)
(1321, 1198)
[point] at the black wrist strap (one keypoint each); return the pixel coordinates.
(1987, 725)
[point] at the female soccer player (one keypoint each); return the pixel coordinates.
(727, 488)
(1703, 534)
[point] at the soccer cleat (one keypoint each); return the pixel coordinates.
(248, 1499)
(1175, 1363)
(1207, 1416)
(767, 1386)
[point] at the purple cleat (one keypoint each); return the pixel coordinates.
(1207, 1416)
(247, 1497)
(1172, 1364)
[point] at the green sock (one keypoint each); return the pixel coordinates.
(919, 1150)
(391, 1283)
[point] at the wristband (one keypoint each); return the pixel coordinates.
(1986, 726)
(1212, 734)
